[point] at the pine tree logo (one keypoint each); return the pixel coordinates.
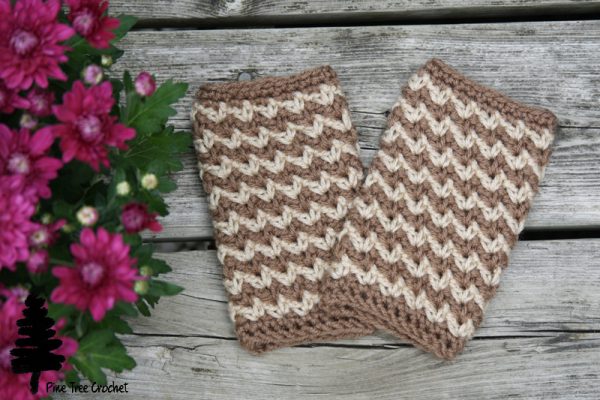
(34, 353)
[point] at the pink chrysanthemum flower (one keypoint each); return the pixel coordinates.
(16, 209)
(103, 274)
(29, 37)
(90, 20)
(10, 99)
(40, 102)
(87, 128)
(16, 386)
(135, 218)
(25, 155)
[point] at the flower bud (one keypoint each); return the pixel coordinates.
(123, 188)
(145, 84)
(92, 74)
(67, 228)
(149, 181)
(146, 270)
(106, 60)
(46, 218)
(28, 121)
(87, 216)
(141, 287)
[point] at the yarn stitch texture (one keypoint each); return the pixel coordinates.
(425, 242)
(418, 250)
(279, 159)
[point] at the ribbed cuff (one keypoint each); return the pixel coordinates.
(492, 100)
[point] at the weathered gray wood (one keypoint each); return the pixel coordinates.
(560, 366)
(569, 195)
(278, 11)
(543, 290)
(539, 341)
(551, 64)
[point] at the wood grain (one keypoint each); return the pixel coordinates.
(542, 290)
(539, 341)
(328, 11)
(560, 366)
(551, 64)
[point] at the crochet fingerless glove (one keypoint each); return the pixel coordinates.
(442, 205)
(279, 161)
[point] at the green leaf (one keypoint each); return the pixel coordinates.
(143, 307)
(95, 340)
(166, 185)
(159, 266)
(163, 288)
(90, 370)
(122, 308)
(127, 82)
(116, 324)
(62, 209)
(132, 239)
(151, 300)
(72, 377)
(117, 86)
(149, 116)
(82, 323)
(56, 310)
(72, 181)
(155, 203)
(101, 349)
(126, 22)
(114, 357)
(159, 152)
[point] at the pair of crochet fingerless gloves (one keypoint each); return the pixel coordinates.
(312, 251)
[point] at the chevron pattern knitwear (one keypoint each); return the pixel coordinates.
(279, 158)
(311, 251)
(441, 207)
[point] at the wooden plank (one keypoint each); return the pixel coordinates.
(540, 340)
(543, 290)
(569, 194)
(327, 11)
(551, 64)
(562, 366)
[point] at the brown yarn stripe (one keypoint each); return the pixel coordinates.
(400, 292)
(256, 180)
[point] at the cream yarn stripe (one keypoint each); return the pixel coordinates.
(284, 220)
(293, 270)
(278, 245)
(284, 306)
(399, 289)
(464, 172)
(277, 165)
(265, 135)
(280, 163)
(418, 146)
(440, 96)
(292, 191)
(464, 203)
(325, 96)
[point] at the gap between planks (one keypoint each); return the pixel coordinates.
(287, 14)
